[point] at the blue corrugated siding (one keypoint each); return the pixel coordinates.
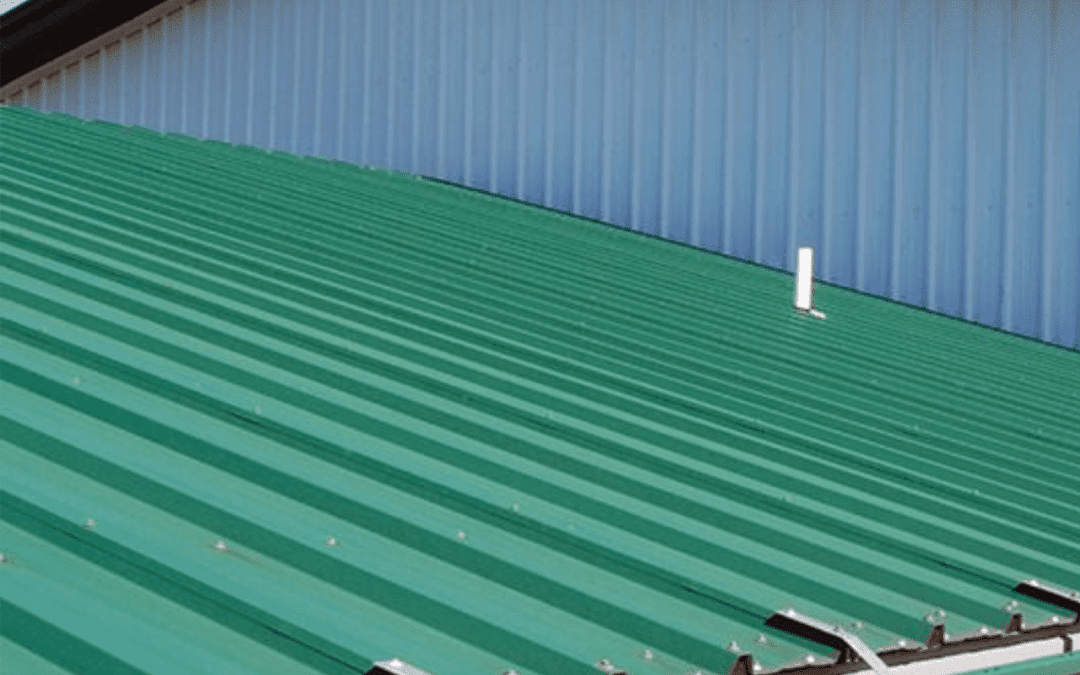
(929, 150)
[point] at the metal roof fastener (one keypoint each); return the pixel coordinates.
(396, 666)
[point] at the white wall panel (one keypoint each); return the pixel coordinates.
(929, 149)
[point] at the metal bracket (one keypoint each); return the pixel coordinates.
(744, 665)
(1049, 594)
(827, 634)
(395, 667)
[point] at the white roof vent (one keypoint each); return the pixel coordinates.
(804, 283)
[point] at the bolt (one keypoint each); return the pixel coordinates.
(733, 647)
(648, 655)
(461, 536)
(331, 542)
(221, 546)
(91, 523)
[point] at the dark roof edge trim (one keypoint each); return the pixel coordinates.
(42, 36)
(922, 654)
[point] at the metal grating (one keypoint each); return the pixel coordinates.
(271, 414)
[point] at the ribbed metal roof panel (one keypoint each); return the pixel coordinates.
(270, 414)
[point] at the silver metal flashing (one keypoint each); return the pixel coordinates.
(816, 628)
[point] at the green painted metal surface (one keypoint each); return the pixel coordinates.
(263, 414)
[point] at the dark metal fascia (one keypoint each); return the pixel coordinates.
(901, 657)
(1048, 593)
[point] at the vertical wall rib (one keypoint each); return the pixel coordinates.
(929, 150)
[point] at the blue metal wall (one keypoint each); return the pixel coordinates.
(930, 150)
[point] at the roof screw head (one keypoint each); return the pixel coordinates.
(648, 655)
(810, 658)
(461, 536)
(221, 546)
(331, 542)
(3, 558)
(857, 625)
(1055, 619)
(983, 630)
(790, 612)
(605, 665)
(941, 613)
(510, 672)
(902, 643)
(258, 410)
(761, 639)
(733, 647)
(90, 523)
(517, 508)
(758, 667)
(76, 380)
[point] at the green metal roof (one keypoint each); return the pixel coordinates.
(537, 442)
